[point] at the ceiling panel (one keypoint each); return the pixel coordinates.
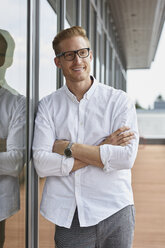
(138, 24)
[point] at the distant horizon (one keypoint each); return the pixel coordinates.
(150, 123)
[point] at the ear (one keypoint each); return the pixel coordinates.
(57, 62)
(90, 55)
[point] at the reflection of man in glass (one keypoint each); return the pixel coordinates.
(12, 121)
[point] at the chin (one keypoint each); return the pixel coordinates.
(79, 79)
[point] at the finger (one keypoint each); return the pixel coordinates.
(124, 144)
(124, 137)
(120, 130)
(125, 140)
(125, 134)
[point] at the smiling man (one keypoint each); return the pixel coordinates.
(85, 143)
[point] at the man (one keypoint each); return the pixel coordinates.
(83, 145)
(12, 134)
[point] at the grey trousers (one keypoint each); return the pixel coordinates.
(114, 232)
(2, 233)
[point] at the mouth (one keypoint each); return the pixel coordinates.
(78, 68)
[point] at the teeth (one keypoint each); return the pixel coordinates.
(78, 69)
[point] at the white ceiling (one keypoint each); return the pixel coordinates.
(138, 25)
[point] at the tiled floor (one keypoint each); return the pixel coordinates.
(149, 193)
(148, 177)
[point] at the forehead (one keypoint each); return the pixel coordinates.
(74, 43)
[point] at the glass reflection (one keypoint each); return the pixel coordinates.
(71, 12)
(12, 123)
(47, 84)
(47, 71)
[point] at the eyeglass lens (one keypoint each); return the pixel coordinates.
(82, 53)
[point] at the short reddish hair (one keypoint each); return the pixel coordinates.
(66, 34)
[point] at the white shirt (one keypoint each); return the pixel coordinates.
(12, 123)
(97, 193)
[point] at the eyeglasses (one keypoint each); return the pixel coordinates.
(70, 55)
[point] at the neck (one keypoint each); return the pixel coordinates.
(80, 88)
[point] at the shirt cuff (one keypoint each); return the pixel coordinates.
(67, 165)
(105, 155)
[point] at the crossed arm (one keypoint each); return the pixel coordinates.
(87, 154)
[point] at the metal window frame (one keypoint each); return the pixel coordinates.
(88, 29)
(61, 15)
(78, 12)
(31, 222)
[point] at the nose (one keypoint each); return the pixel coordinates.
(77, 58)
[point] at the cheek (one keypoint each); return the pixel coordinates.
(65, 70)
(89, 65)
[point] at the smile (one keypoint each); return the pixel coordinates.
(78, 69)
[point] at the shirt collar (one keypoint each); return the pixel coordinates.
(69, 93)
(91, 90)
(87, 95)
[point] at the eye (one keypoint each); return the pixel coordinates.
(69, 55)
(82, 52)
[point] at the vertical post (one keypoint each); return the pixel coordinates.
(95, 44)
(61, 7)
(78, 12)
(106, 76)
(113, 68)
(88, 18)
(31, 103)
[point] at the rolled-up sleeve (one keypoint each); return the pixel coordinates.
(121, 157)
(12, 160)
(52, 164)
(46, 162)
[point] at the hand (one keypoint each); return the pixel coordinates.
(121, 137)
(59, 146)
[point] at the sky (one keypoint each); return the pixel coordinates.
(145, 85)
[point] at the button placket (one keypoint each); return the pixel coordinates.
(81, 121)
(80, 139)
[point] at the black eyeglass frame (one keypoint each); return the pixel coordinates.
(75, 52)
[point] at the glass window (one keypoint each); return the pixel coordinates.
(99, 6)
(99, 51)
(47, 85)
(106, 10)
(12, 122)
(98, 59)
(103, 57)
(67, 25)
(116, 74)
(110, 65)
(71, 12)
(83, 14)
(48, 30)
(106, 60)
(93, 38)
